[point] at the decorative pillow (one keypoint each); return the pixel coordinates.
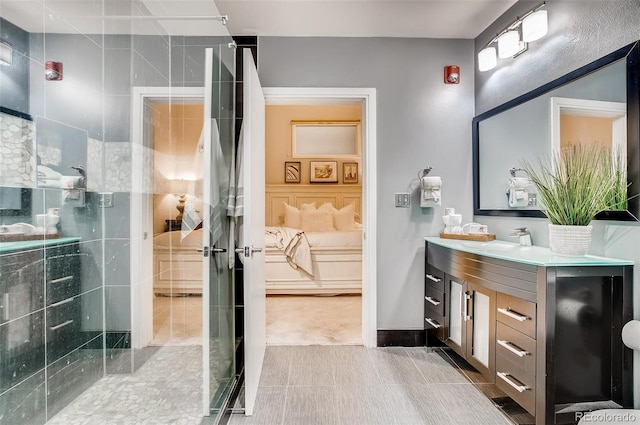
(293, 216)
(344, 218)
(317, 221)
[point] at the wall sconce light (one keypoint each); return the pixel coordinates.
(6, 53)
(512, 41)
(53, 71)
(452, 74)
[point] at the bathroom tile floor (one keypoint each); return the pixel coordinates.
(354, 385)
(165, 390)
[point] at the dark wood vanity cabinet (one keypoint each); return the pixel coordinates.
(548, 336)
(39, 308)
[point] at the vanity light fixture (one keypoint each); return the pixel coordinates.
(487, 59)
(6, 53)
(512, 40)
(534, 26)
(509, 44)
(53, 71)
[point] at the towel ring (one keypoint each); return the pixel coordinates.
(424, 172)
(514, 170)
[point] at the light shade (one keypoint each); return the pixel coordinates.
(487, 59)
(509, 44)
(179, 186)
(534, 26)
(6, 54)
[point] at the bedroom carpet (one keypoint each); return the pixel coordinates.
(314, 320)
(177, 320)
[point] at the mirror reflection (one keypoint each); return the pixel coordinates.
(587, 106)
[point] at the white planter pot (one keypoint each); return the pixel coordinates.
(569, 240)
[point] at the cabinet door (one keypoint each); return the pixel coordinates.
(481, 329)
(456, 330)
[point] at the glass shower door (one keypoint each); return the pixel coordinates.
(218, 295)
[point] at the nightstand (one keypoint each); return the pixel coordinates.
(171, 225)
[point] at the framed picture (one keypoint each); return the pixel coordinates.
(332, 139)
(324, 172)
(350, 172)
(292, 172)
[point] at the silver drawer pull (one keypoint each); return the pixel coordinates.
(433, 278)
(505, 377)
(513, 349)
(432, 300)
(519, 317)
(62, 279)
(61, 325)
(68, 300)
(433, 323)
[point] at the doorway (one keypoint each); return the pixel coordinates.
(366, 97)
(321, 306)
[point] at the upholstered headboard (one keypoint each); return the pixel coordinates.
(298, 194)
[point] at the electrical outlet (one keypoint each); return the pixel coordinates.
(402, 200)
(533, 200)
(105, 200)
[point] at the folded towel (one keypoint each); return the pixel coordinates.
(518, 197)
(48, 183)
(431, 182)
(47, 173)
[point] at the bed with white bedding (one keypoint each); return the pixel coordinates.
(177, 265)
(314, 257)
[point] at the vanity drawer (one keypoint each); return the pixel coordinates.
(61, 288)
(434, 300)
(516, 347)
(517, 313)
(434, 278)
(434, 323)
(62, 260)
(516, 383)
(63, 326)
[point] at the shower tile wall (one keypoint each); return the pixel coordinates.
(52, 326)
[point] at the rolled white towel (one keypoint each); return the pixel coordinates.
(47, 173)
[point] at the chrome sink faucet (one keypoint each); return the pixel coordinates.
(523, 234)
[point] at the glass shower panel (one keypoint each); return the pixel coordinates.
(221, 292)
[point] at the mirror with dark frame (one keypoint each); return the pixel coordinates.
(599, 101)
(17, 176)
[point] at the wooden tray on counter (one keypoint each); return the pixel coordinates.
(480, 238)
(19, 237)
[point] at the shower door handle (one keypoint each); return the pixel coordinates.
(206, 250)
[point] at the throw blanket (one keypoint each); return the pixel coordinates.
(295, 246)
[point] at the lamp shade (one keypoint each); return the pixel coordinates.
(487, 59)
(508, 44)
(179, 186)
(534, 26)
(6, 54)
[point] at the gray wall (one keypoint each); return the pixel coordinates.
(14, 79)
(579, 33)
(420, 121)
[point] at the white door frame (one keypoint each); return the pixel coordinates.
(141, 329)
(333, 95)
(141, 213)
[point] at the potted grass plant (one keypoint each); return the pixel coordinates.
(574, 187)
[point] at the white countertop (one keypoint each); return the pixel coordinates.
(536, 255)
(33, 244)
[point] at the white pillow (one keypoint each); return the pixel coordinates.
(292, 215)
(316, 220)
(344, 217)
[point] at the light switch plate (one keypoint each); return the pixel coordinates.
(402, 200)
(105, 200)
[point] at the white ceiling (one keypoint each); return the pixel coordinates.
(293, 18)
